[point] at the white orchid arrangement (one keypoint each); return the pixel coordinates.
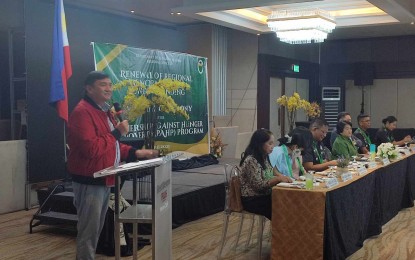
(387, 150)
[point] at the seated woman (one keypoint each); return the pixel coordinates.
(257, 175)
(385, 135)
(287, 157)
(343, 145)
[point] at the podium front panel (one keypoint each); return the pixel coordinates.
(162, 214)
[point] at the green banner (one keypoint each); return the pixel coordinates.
(148, 68)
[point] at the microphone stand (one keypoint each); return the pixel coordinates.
(362, 105)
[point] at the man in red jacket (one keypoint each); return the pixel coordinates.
(93, 139)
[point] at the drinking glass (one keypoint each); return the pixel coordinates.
(372, 152)
(354, 158)
(309, 178)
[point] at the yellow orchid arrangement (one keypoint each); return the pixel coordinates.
(313, 110)
(140, 99)
(152, 96)
(294, 103)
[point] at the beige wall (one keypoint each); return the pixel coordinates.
(13, 173)
(242, 80)
(199, 42)
(387, 97)
(241, 75)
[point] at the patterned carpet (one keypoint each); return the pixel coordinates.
(397, 240)
(195, 240)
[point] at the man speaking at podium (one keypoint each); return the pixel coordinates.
(93, 139)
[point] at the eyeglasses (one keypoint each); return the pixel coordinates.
(323, 132)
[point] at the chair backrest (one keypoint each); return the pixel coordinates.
(233, 189)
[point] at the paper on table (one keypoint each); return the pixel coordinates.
(284, 184)
(140, 164)
(325, 173)
(134, 164)
(294, 184)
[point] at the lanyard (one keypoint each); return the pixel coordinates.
(268, 173)
(287, 159)
(320, 159)
(389, 135)
(365, 136)
(300, 166)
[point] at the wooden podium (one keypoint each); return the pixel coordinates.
(158, 213)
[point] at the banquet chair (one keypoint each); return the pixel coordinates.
(234, 206)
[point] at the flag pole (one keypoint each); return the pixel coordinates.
(65, 145)
(61, 69)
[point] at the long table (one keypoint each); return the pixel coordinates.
(333, 223)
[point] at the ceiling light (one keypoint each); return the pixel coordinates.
(412, 23)
(299, 26)
(132, 11)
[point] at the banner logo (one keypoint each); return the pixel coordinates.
(200, 66)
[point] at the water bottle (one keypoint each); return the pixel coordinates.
(372, 152)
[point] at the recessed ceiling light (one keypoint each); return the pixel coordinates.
(258, 34)
(412, 23)
(132, 11)
(179, 13)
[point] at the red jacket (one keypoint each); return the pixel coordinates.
(92, 143)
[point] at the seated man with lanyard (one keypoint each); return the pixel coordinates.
(361, 133)
(314, 158)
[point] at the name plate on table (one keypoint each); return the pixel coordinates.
(385, 161)
(407, 152)
(372, 165)
(331, 182)
(346, 176)
(361, 170)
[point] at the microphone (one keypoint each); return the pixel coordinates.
(119, 113)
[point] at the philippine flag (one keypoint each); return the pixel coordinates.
(61, 69)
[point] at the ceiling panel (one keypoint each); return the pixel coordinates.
(380, 17)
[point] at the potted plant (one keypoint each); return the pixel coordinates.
(216, 145)
(342, 165)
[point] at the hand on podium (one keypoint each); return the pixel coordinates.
(146, 154)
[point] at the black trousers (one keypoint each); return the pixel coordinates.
(261, 205)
